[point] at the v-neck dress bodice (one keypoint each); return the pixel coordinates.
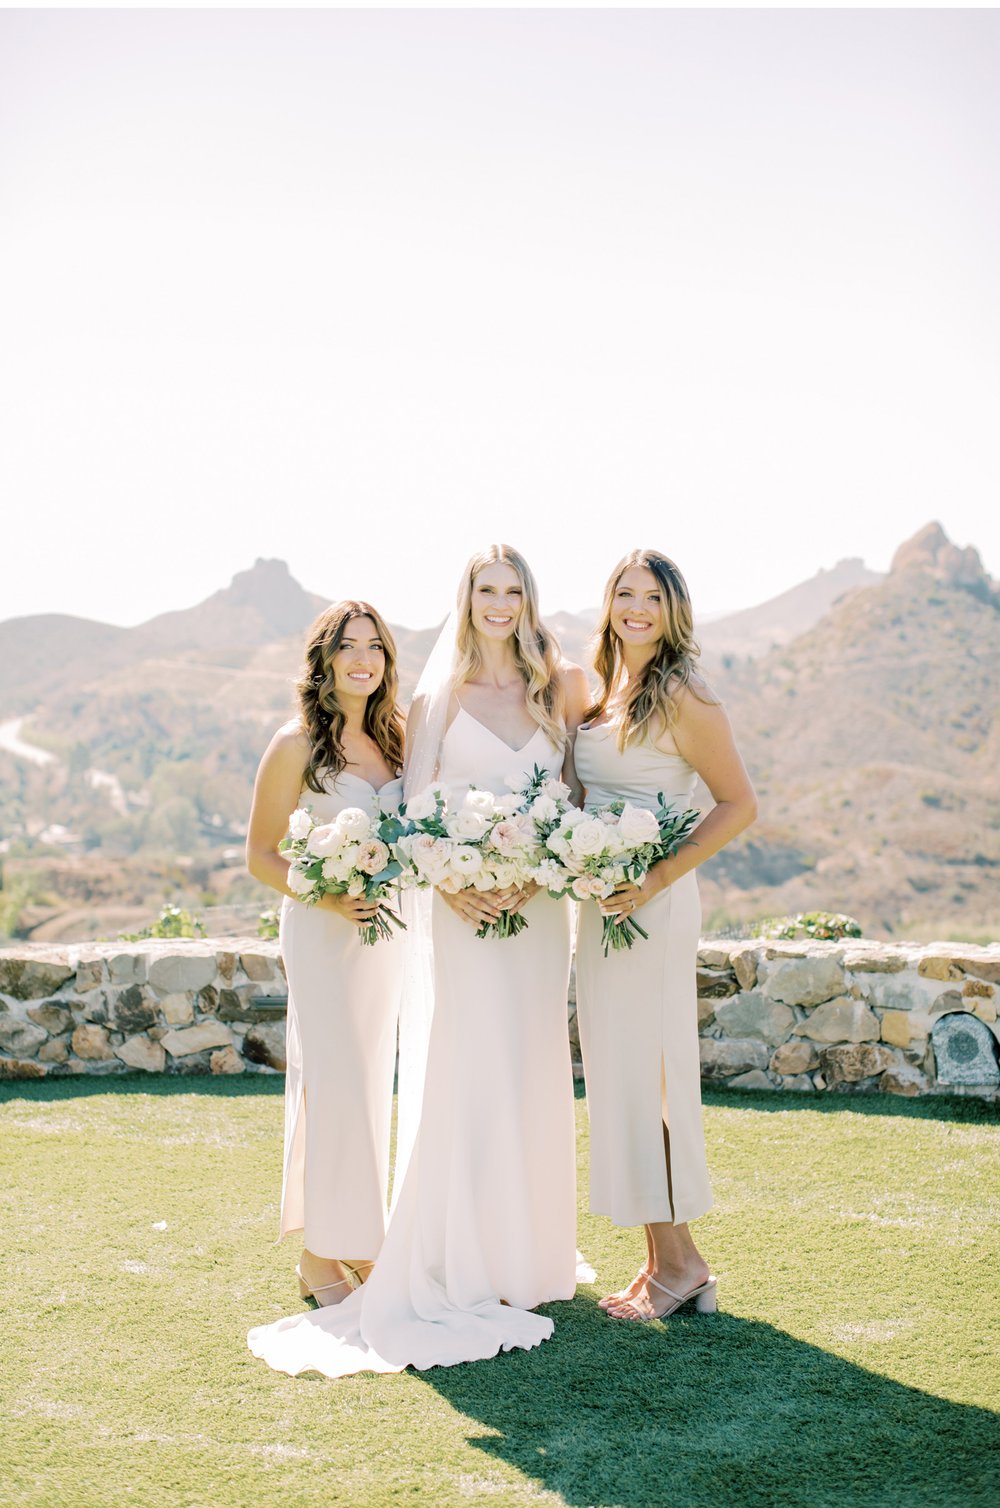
(471, 753)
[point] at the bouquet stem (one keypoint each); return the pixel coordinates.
(507, 924)
(621, 932)
(380, 926)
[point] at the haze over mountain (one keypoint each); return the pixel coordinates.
(755, 630)
(866, 707)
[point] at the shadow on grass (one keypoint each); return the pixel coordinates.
(930, 1108)
(229, 1086)
(237, 1086)
(715, 1410)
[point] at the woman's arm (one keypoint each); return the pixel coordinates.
(275, 796)
(703, 735)
(577, 698)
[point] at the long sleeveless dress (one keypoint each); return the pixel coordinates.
(638, 1015)
(343, 1005)
(484, 1228)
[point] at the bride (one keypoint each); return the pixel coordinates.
(483, 1228)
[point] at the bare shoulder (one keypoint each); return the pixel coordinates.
(695, 697)
(290, 746)
(575, 692)
(573, 679)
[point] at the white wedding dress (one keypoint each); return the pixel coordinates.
(484, 1227)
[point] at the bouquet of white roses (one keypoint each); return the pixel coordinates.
(588, 854)
(481, 842)
(352, 855)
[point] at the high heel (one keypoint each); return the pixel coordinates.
(360, 1271)
(306, 1292)
(621, 1297)
(705, 1301)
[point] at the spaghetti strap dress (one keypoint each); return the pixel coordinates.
(637, 1011)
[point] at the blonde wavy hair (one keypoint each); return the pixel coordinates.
(536, 651)
(321, 714)
(652, 697)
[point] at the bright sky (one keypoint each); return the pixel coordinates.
(367, 290)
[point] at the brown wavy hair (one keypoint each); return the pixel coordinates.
(536, 651)
(672, 667)
(321, 714)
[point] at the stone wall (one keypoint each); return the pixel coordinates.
(853, 1017)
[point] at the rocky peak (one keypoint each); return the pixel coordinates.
(264, 578)
(272, 591)
(931, 551)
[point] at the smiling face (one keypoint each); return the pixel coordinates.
(497, 601)
(637, 609)
(358, 662)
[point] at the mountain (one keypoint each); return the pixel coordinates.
(874, 742)
(43, 656)
(42, 652)
(866, 721)
(259, 606)
(755, 630)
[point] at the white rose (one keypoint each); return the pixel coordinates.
(352, 822)
(299, 882)
(479, 801)
(468, 824)
(300, 823)
(572, 818)
(429, 855)
(324, 840)
(504, 875)
(356, 887)
(422, 805)
(336, 869)
(589, 836)
(558, 843)
(638, 826)
(544, 809)
(615, 841)
(555, 790)
(506, 806)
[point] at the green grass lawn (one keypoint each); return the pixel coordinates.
(857, 1248)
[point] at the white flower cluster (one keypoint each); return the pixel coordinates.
(485, 843)
(350, 851)
(589, 853)
(352, 855)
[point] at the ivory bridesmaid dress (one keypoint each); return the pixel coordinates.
(485, 1226)
(637, 1011)
(343, 1004)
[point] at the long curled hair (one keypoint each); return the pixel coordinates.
(321, 714)
(651, 697)
(536, 651)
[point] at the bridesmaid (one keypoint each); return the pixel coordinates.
(654, 727)
(344, 749)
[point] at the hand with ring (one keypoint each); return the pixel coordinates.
(628, 897)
